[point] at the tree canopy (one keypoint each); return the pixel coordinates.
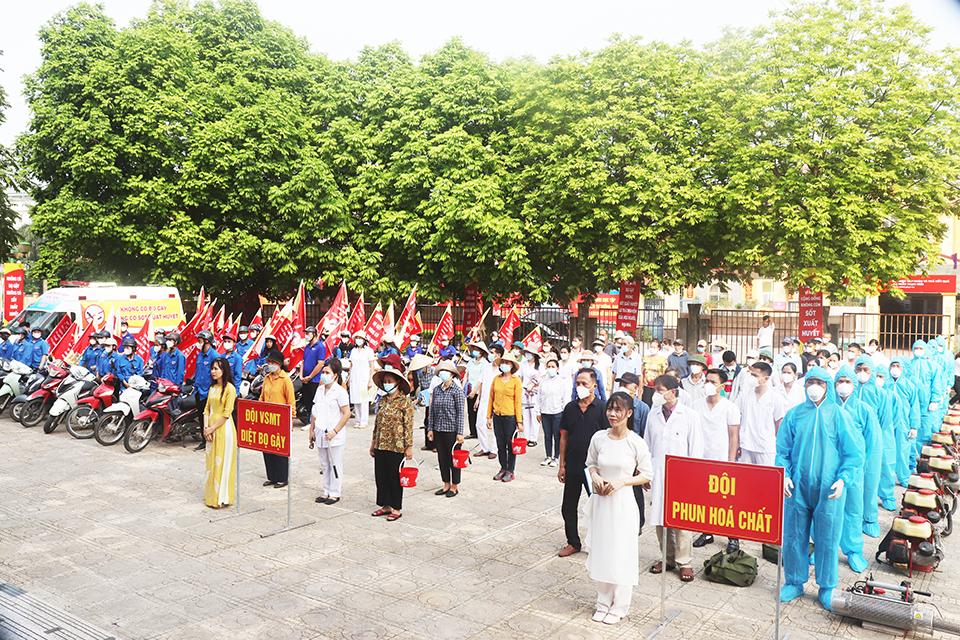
(8, 218)
(206, 145)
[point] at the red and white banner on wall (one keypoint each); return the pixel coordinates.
(12, 290)
(472, 306)
(628, 306)
(811, 314)
(933, 283)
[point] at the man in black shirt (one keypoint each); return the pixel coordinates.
(580, 419)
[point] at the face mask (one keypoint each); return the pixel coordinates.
(657, 400)
(243, 336)
(169, 344)
(871, 349)
(228, 346)
(918, 353)
(564, 356)
(93, 343)
(833, 365)
(695, 368)
(444, 343)
(444, 376)
(360, 342)
(844, 389)
(123, 328)
(788, 377)
(576, 345)
(254, 334)
(583, 393)
(108, 349)
(586, 364)
(14, 339)
(475, 353)
(851, 355)
(491, 357)
(128, 351)
(493, 338)
(700, 349)
(547, 348)
(505, 368)
(552, 372)
(273, 368)
(36, 336)
(880, 382)
(895, 372)
(816, 392)
(750, 361)
(710, 389)
(326, 378)
(528, 357)
(863, 377)
(597, 349)
(389, 386)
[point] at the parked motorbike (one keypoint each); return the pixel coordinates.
(38, 403)
(250, 389)
(116, 419)
(80, 381)
(17, 375)
(82, 419)
(171, 411)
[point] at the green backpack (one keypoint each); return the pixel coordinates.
(736, 568)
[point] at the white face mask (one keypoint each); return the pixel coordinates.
(169, 344)
(552, 372)
(360, 342)
(528, 357)
(505, 368)
(564, 356)
(327, 378)
(788, 377)
(833, 364)
(657, 400)
(696, 369)
(597, 349)
(128, 351)
(751, 361)
(879, 382)
(844, 389)
(273, 368)
(851, 356)
(583, 393)
(492, 357)
(871, 349)
(918, 353)
(895, 372)
(710, 389)
(863, 377)
(816, 392)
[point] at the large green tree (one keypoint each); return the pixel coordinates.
(8, 218)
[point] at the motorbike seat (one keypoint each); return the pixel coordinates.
(187, 402)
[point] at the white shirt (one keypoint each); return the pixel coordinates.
(326, 413)
(796, 395)
(554, 393)
(359, 383)
(715, 422)
(681, 435)
(880, 359)
(765, 336)
(624, 363)
(489, 372)
(604, 365)
(758, 429)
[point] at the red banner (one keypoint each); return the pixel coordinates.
(730, 499)
(12, 290)
(63, 327)
(358, 318)
(628, 307)
(933, 283)
(264, 426)
(145, 341)
(533, 341)
(811, 314)
(336, 317)
(444, 330)
(472, 306)
(510, 324)
(374, 328)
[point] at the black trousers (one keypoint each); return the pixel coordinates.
(308, 393)
(573, 484)
(503, 428)
(386, 474)
(430, 446)
(278, 467)
(445, 441)
(472, 416)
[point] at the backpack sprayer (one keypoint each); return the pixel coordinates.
(873, 602)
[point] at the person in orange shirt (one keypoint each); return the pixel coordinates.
(277, 388)
(505, 415)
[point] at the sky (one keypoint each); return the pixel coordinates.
(501, 28)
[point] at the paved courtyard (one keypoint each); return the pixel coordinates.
(125, 543)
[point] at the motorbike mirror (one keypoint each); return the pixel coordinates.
(933, 517)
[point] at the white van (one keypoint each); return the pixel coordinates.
(100, 304)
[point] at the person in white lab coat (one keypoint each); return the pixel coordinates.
(329, 416)
(485, 435)
(360, 358)
(672, 429)
(792, 387)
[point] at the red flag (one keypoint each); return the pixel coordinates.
(388, 324)
(63, 328)
(68, 341)
(374, 328)
(254, 351)
(257, 318)
(358, 318)
(510, 324)
(144, 340)
(190, 353)
(409, 311)
(219, 322)
(336, 317)
(300, 313)
(533, 341)
(416, 325)
(444, 330)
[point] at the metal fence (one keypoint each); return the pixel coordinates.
(737, 328)
(896, 332)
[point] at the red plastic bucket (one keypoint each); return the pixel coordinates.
(461, 457)
(408, 475)
(519, 444)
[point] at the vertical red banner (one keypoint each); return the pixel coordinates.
(12, 290)
(472, 306)
(810, 324)
(629, 305)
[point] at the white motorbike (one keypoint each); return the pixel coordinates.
(118, 416)
(80, 380)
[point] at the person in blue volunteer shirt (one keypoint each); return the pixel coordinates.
(447, 350)
(5, 347)
(108, 362)
(201, 377)
(171, 363)
(41, 350)
(413, 348)
(243, 341)
(314, 355)
(233, 359)
(125, 332)
(88, 360)
(155, 350)
(128, 363)
(22, 348)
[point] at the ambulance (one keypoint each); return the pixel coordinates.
(103, 305)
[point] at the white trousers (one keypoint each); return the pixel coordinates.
(362, 411)
(755, 457)
(485, 437)
(531, 428)
(614, 598)
(331, 462)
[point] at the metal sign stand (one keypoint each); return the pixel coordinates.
(236, 511)
(776, 594)
(664, 620)
(289, 527)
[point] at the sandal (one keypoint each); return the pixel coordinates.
(393, 517)
(380, 512)
(657, 567)
(686, 574)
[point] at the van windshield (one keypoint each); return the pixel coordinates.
(36, 318)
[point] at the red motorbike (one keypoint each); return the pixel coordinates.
(82, 419)
(40, 401)
(169, 410)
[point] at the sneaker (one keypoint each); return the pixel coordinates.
(599, 616)
(553, 462)
(545, 462)
(499, 475)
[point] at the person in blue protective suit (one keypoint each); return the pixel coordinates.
(821, 453)
(234, 359)
(945, 382)
(171, 363)
(129, 363)
(88, 360)
(880, 401)
(5, 347)
(923, 375)
(891, 447)
(41, 350)
(107, 361)
(201, 376)
(909, 427)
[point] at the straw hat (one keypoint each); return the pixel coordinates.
(508, 357)
(479, 346)
(527, 350)
(586, 355)
(447, 365)
(420, 361)
(391, 364)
